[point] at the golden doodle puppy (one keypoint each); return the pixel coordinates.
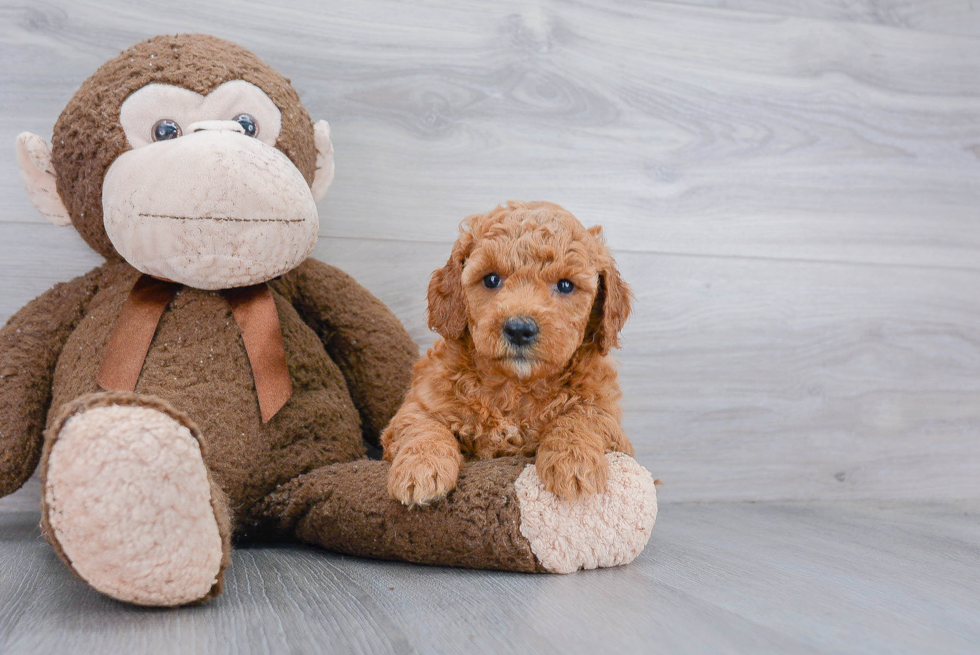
(528, 305)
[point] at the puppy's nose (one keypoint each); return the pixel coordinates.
(521, 331)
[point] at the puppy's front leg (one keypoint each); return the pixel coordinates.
(571, 459)
(424, 456)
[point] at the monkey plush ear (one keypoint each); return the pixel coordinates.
(324, 160)
(38, 175)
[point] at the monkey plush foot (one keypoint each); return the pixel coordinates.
(605, 529)
(129, 504)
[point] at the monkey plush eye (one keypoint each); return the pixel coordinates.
(248, 124)
(565, 286)
(166, 129)
(491, 280)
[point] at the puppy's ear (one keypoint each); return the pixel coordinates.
(447, 304)
(612, 304)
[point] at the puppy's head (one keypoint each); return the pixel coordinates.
(531, 286)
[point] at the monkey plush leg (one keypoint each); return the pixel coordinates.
(129, 504)
(499, 516)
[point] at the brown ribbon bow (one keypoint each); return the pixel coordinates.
(254, 310)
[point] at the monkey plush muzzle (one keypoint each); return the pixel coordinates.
(212, 209)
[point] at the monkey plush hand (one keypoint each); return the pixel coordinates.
(210, 381)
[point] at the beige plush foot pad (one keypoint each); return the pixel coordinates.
(129, 502)
(606, 529)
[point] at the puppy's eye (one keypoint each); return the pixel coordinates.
(565, 286)
(166, 129)
(491, 281)
(248, 124)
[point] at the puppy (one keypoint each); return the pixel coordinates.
(528, 305)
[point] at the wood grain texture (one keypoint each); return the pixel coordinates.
(718, 578)
(747, 379)
(791, 188)
(690, 130)
(954, 17)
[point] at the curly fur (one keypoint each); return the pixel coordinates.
(476, 396)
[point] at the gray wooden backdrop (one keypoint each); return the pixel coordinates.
(791, 187)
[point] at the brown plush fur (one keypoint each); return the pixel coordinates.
(346, 508)
(30, 344)
(197, 363)
(474, 396)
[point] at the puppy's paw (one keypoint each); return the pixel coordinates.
(572, 473)
(419, 478)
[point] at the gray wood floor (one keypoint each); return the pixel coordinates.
(792, 187)
(833, 577)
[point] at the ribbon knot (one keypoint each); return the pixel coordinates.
(254, 310)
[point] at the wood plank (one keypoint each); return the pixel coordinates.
(803, 380)
(831, 574)
(743, 379)
(682, 130)
(952, 17)
(26, 499)
(806, 578)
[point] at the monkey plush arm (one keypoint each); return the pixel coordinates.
(364, 338)
(30, 344)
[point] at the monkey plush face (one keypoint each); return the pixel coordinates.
(204, 197)
(189, 158)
